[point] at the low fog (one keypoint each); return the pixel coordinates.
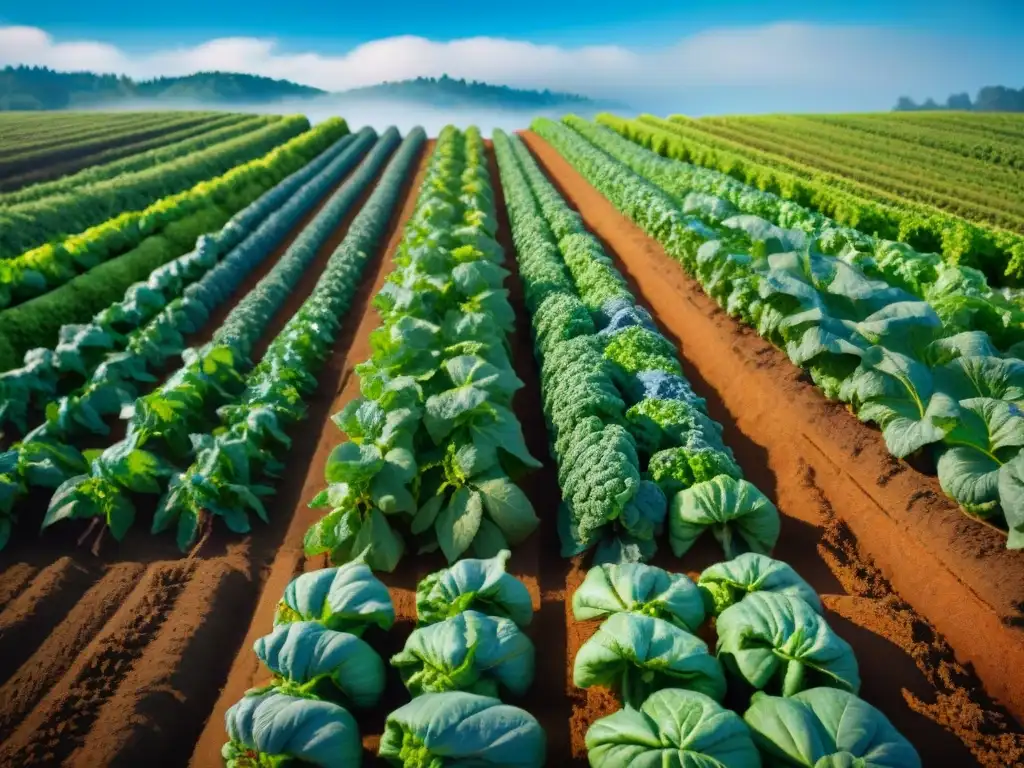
(375, 112)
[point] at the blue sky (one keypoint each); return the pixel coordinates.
(129, 22)
(736, 56)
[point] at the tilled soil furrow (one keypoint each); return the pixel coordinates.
(51, 658)
(62, 721)
(14, 582)
(33, 614)
(167, 696)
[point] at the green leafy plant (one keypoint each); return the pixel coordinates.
(473, 584)
(638, 588)
(826, 726)
(636, 655)
(673, 728)
(462, 730)
(779, 643)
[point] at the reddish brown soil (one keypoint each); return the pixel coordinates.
(857, 524)
(134, 662)
(119, 659)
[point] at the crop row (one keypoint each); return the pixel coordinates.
(423, 449)
(102, 484)
(626, 429)
(114, 352)
(230, 127)
(960, 295)
(44, 147)
(468, 649)
(40, 175)
(998, 253)
(987, 147)
(31, 224)
(865, 343)
(128, 247)
(433, 445)
(647, 650)
(954, 184)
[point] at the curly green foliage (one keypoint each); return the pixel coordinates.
(593, 272)
(639, 349)
(577, 383)
(674, 469)
(599, 474)
(657, 424)
(560, 317)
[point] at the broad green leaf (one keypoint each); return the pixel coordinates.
(353, 464)
(427, 514)
(507, 506)
(739, 516)
(674, 728)
(459, 522)
(827, 728)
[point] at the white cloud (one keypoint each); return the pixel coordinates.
(780, 66)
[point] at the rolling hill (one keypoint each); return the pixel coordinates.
(34, 88)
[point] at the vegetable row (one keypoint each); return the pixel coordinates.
(468, 646)
(250, 441)
(32, 152)
(148, 322)
(999, 253)
(100, 485)
(868, 344)
(959, 294)
(151, 240)
(975, 191)
(433, 446)
(628, 433)
(31, 224)
(228, 127)
(793, 678)
(774, 642)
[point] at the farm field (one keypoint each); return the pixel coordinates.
(244, 437)
(957, 195)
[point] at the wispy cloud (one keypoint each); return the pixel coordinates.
(783, 66)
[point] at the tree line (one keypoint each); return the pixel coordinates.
(991, 98)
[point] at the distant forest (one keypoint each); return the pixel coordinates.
(28, 88)
(43, 88)
(991, 98)
(446, 91)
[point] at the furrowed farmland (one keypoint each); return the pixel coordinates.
(635, 441)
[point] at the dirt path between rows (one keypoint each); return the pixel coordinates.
(810, 458)
(118, 660)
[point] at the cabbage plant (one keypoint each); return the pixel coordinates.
(738, 515)
(826, 728)
(274, 728)
(461, 730)
(637, 655)
(673, 728)
(474, 584)
(470, 651)
(310, 660)
(778, 643)
(639, 588)
(346, 599)
(726, 583)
